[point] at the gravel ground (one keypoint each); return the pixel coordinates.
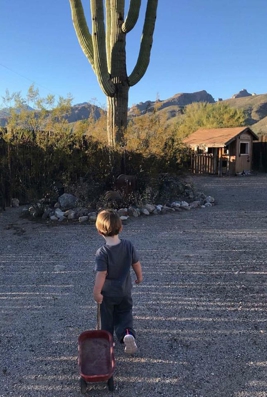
(200, 313)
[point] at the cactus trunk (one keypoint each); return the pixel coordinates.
(117, 104)
(117, 116)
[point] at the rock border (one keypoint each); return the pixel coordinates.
(67, 208)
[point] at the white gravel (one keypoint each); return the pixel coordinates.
(200, 314)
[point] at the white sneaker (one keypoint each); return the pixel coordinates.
(130, 344)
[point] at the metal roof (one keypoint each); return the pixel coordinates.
(216, 137)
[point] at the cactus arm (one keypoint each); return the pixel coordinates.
(99, 46)
(108, 33)
(81, 29)
(146, 43)
(132, 16)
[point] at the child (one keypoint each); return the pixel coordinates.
(113, 282)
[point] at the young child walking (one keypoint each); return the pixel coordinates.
(113, 284)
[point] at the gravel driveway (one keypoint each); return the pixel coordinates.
(200, 313)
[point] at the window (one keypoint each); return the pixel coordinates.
(243, 148)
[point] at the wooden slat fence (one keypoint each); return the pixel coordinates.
(259, 156)
(203, 164)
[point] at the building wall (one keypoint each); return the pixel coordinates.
(232, 158)
(243, 153)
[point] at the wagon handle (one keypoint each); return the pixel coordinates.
(98, 325)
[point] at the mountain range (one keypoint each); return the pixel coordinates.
(81, 111)
(255, 107)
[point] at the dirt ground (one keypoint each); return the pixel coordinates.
(200, 314)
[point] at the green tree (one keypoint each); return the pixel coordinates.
(105, 49)
(94, 128)
(208, 115)
(147, 133)
(34, 113)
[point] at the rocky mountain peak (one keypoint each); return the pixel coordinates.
(181, 100)
(241, 94)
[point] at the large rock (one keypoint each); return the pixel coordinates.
(67, 201)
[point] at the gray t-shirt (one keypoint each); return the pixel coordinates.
(117, 261)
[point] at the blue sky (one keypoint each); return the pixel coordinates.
(212, 45)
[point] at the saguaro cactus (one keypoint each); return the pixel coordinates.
(105, 50)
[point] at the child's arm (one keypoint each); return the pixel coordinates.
(99, 282)
(138, 272)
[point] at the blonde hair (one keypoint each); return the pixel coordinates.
(108, 223)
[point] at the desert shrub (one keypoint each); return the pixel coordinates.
(33, 167)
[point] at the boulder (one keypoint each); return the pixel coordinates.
(67, 201)
(15, 202)
(132, 211)
(92, 216)
(70, 214)
(123, 212)
(144, 211)
(83, 219)
(209, 199)
(195, 204)
(150, 207)
(59, 213)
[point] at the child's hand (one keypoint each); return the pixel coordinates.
(138, 272)
(138, 280)
(98, 297)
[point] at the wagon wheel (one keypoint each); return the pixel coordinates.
(83, 385)
(111, 384)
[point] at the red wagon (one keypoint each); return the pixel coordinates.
(96, 357)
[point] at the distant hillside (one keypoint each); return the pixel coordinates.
(4, 114)
(260, 128)
(255, 107)
(81, 111)
(176, 102)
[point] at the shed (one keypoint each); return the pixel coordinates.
(221, 150)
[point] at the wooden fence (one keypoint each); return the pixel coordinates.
(203, 164)
(260, 156)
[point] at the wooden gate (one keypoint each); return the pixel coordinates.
(203, 163)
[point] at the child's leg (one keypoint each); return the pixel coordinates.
(106, 312)
(123, 318)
